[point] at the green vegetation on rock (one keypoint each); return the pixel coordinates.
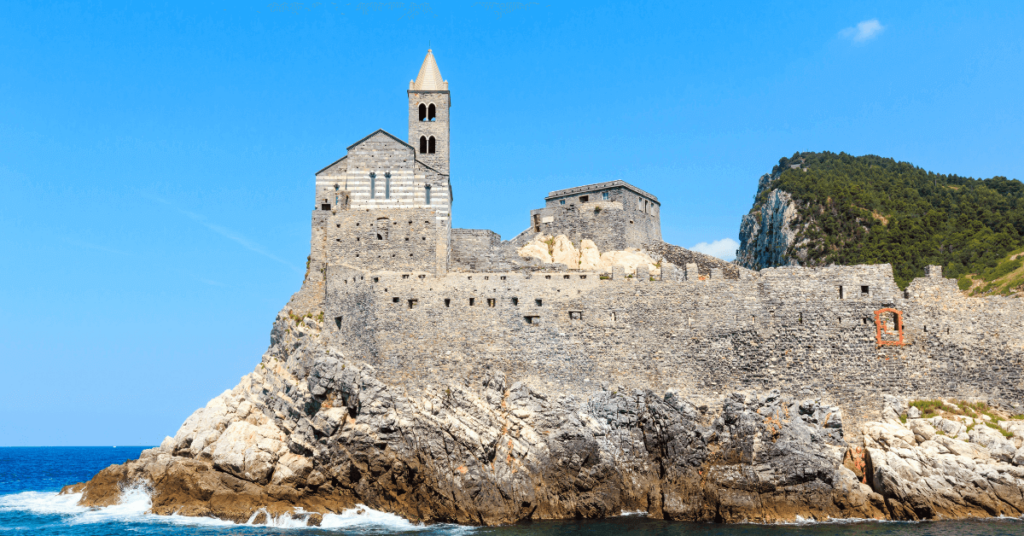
(871, 210)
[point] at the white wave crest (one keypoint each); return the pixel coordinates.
(135, 502)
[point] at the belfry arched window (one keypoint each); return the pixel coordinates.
(423, 112)
(373, 185)
(430, 145)
(423, 145)
(431, 113)
(387, 185)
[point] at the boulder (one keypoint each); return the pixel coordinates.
(923, 431)
(565, 253)
(590, 257)
(887, 435)
(249, 452)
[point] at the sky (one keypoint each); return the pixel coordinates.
(157, 158)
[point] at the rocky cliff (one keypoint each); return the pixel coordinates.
(316, 429)
(768, 232)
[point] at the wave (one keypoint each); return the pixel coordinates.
(135, 502)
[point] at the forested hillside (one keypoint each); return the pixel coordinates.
(868, 209)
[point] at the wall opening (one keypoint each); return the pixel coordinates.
(575, 315)
(533, 320)
(865, 290)
(387, 186)
(394, 299)
(841, 296)
(325, 206)
(515, 301)
(337, 321)
(431, 145)
(565, 276)
(889, 327)
(584, 198)
(604, 196)
(423, 112)
(472, 302)
(447, 302)
(491, 302)
(431, 113)
(405, 276)
(426, 190)
(412, 303)
(373, 185)
(538, 302)
(423, 145)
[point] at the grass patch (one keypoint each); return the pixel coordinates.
(931, 408)
(1018, 417)
(1000, 430)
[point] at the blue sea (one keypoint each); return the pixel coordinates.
(31, 477)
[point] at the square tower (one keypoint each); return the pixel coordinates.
(429, 102)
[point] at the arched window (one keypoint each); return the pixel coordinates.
(431, 113)
(428, 194)
(430, 145)
(373, 185)
(423, 112)
(423, 145)
(387, 185)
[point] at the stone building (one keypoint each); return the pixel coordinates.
(615, 215)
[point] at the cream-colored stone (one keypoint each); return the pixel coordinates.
(565, 253)
(590, 256)
(629, 259)
(537, 248)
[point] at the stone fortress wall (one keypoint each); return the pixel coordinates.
(788, 329)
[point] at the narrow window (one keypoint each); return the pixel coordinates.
(447, 302)
(431, 113)
(423, 112)
(538, 302)
(387, 185)
(604, 196)
(490, 302)
(373, 185)
(427, 191)
(472, 302)
(841, 292)
(423, 145)
(864, 290)
(337, 320)
(431, 145)
(800, 318)
(412, 303)
(515, 301)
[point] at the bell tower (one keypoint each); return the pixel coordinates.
(429, 102)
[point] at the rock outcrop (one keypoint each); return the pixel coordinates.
(558, 249)
(767, 233)
(316, 429)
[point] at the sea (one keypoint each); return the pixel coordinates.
(31, 477)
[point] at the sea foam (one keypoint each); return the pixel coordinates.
(136, 500)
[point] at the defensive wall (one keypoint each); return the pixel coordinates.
(809, 332)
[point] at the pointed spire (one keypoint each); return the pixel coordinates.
(429, 78)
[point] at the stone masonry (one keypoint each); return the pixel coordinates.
(423, 303)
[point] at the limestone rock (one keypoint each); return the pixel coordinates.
(590, 257)
(537, 249)
(565, 253)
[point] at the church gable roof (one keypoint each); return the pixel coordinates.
(333, 165)
(384, 132)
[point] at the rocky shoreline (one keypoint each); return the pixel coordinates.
(315, 429)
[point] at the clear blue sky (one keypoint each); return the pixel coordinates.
(157, 159)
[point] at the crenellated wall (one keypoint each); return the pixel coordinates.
(785, 328)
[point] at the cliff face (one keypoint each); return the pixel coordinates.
(316, 429)
(767, 233)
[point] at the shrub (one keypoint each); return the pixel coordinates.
(964, 282)
(597, 210)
